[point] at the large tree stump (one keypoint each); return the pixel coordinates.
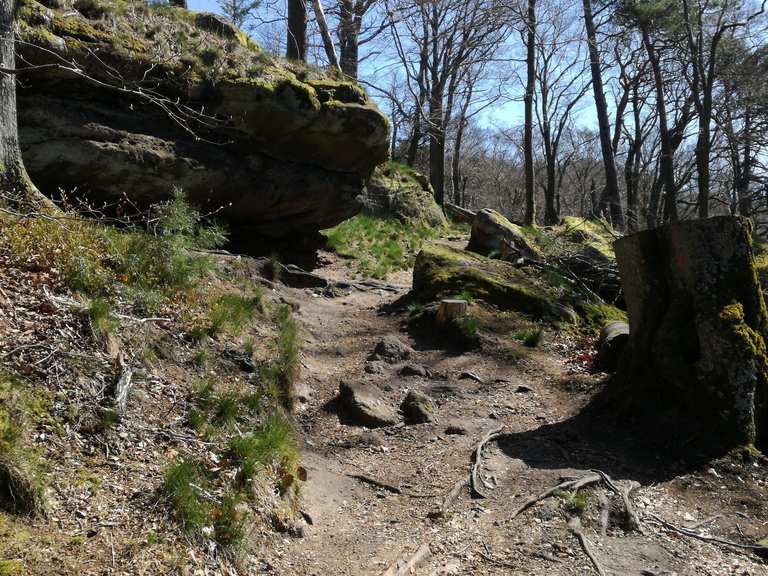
(698, 325)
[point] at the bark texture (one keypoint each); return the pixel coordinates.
(698, 324)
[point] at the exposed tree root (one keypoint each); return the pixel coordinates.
(567, 485)
(574, 524)
(713, 539)
(450, 498)
(373, 482)
(478, 460)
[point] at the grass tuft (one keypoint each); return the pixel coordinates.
(181, 486)
(379, 246)
(231, 312)
(274, 443)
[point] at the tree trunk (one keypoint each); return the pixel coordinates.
(703, 146)
(666, 161)
(530, 177)
(297, 30)
(696, 366)
(348, 39)
(14, 181)
(611, 195)
(330, 49)
(437, 145)
(745, 174)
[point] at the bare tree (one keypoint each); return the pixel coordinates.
(706, 24)
(297, 30)
(436, 45)
(611, 195)
(239, 11)
(530, 65)
(562, 83)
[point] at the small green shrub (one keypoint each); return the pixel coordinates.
(100, 316)
(232, 312)
(274, 266)
(181, 486)
(227, 408)
(468, 326)
(201, 357)
(531, 338)
(229, 522)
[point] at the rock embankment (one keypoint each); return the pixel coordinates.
(147, 99)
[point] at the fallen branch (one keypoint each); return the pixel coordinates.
(574, 524)
(373, 482)
(404, 566)
(123, 388)
(478, 460)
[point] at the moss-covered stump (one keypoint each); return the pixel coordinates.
(442, 271)
(697, 354)
(493, 233)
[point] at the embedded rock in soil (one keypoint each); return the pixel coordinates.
(364, 405)
(417, 408)
(397, 191)
(391, 349)
(493, 233)
(418, 370)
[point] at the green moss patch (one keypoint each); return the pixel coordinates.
(21, 486)
(441, 271)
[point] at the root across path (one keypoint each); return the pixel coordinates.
(506, 478)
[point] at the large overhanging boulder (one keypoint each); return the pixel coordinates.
(283, 148)
(697, 354)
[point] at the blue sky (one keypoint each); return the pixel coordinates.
(506, 115)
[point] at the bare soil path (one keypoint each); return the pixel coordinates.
(536, 396)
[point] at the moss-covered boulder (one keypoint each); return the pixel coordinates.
(492, 233)
(442, 271)
(397, 191)
(182, 99)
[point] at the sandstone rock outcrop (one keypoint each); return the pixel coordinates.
(284, 149)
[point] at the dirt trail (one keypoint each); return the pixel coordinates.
(361, 529)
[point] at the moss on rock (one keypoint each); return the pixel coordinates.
(442, 271)
(291, 111)
(396, 190)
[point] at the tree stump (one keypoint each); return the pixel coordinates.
(449, 310)
(698, 324)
